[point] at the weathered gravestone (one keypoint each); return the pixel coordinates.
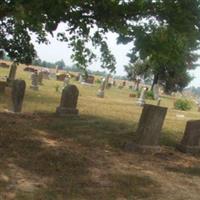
(12, 73)
(16, 95)
(100, 92)
(149, 129)
(66, 81)
(190, 142)
(156, 91)
(3, 85)
(102, 88)
(68, 101)
(34, 81)
(40, 78)
(141, 100)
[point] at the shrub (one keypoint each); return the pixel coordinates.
(98, 81)
(182, 104)
(149, 95)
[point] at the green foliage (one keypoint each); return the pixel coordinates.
(98, 81)
(149, 95)
(182, 104)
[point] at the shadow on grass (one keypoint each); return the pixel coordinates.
(193, 171)
(44, 157)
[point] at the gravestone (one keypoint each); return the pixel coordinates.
(156, 91)
(66, 81)
(12, 73)
(3, 85)
(40, 78)
(102, 88)
(149, 129)
(16, 95)
(190, 142)
(141, 100)
(68, 101)
(34, 81)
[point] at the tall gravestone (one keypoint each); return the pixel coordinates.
(66, 81)
(34, 81)
(16, 95)
(40, 78)
(156, 91)
(141, 100)
(69, 100)
(102, 88)
(190, 142)
(149, 129)
(12, 73)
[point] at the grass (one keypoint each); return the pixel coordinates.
(47, 157)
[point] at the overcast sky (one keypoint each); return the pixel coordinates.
(59, 50)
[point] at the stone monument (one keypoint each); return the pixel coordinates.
(190, 142)
(156, 91)
(141, 100)
(17, 95)
(68, 101)
(12, 73)
(149, 129)
(40, 78)
(34, 79)
(102, 88)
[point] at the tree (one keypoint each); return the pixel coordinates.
(60, 64)
(170, 42)
(18, 19)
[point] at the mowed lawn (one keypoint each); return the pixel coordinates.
(47, 157)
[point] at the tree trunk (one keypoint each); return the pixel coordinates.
(155, 80)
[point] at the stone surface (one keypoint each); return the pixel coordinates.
(3, 85)
(40, 78)
(68, 101)
(190, 142)
(66, 81)
(102, 88)
(149, 129)
(141, 100)
(17, 95)
(156, 91)
(12, 73)
(34, 79)
(150, 125)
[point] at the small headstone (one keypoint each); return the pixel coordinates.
(34, 79)
(149, 129)
(16, 94)
(190, 142)
(141, 100)
(12, 73)
(40, 78)
(66, 81)
(156, 91)
(68, 101)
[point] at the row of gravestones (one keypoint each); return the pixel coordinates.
(149, 132)
(150, 124)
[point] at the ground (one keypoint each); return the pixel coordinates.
(45, 157)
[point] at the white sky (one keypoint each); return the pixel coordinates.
(59, 50)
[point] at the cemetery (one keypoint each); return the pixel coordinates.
(100, 100)
(98, 147)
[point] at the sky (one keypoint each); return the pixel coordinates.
(59, 50)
